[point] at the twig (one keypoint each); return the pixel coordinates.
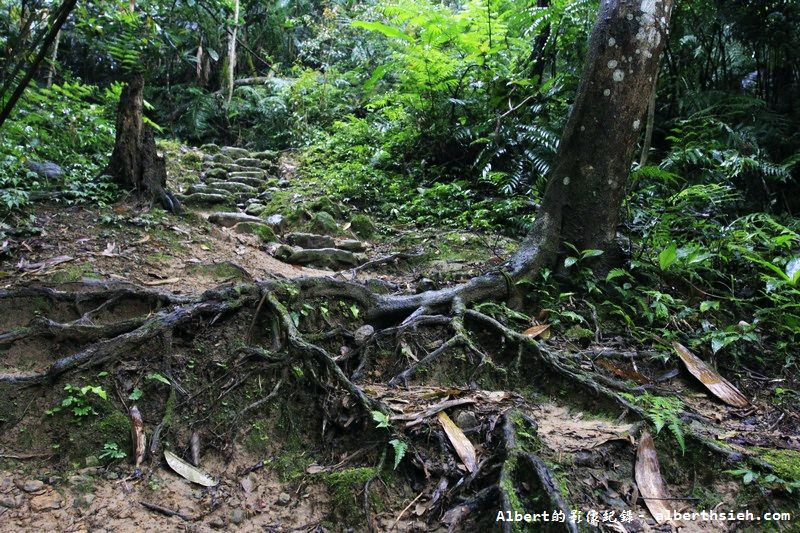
(165, 510)
(407, 507)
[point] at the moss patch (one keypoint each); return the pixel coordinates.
(785, 462)
(363, 226)
(344, 488)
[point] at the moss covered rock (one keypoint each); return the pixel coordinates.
(363, 226)
(324, 223)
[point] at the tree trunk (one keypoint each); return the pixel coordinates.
(232, 53)
(587, 184)
(62, 13)
(134, 162)
(51, 67)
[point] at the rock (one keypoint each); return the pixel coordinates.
(262, 230)
(10, 502)
(228, 220)
(45, 502)
(207, 189)
(266, 155)
(112, 475)
(363, 333)
(426, 284)
(216, 173)
(31, 485)
(277, 223)
(237, 516)
(203, 198)
(323, 222)
(45, 169)
(325, 257)
(283, 499)
(283, 183)
(234, 152)
(217, 522)
(255, 209)
(362, 226)
(210, 148)
(351, 245)
(247, 180)
(281, 251)
(248, 162)
(466, 420)
(233, 187)
(309, 240)
(83, 501)
(92, 460)
(222, 159)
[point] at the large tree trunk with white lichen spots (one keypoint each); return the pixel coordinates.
(587, 183)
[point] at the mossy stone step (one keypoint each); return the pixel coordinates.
(229, 220)
(205, 198)
(234, 152)
(233, 186)
(332, 258)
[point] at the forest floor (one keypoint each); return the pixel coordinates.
(301, 461)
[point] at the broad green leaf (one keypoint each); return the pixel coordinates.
(569, 261)
(706, 305)
(158, 377)
(668, 256)
(385, 29)
(793, 270)
(381, 419)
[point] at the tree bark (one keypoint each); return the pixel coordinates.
(63, 13)
(587, 184)
(51, 67)
(135, 163)
(232, 53)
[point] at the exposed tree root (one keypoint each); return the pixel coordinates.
(495, 479)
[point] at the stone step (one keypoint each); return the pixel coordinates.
(207, 189)
(309, 240)
(234, 187)
(248, 180)
(234, 152)
(332, 258)
(229, 220)
(201, 198)
(249, 162)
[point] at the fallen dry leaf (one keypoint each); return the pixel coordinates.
(142, 240)
(47, 263)
(535, 331)
(719, 386)
(649, 481)
(187, 471)
(137, 436)
(463, 446)
(109, 251)
(161, 282)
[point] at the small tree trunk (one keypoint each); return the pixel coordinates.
(135, 162)
(648, 133)
(232, 53)
(51, 67)
(587, 184)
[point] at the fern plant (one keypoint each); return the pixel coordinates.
(662, 411)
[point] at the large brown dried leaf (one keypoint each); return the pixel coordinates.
(464, 448)
(719, 386)
(187, 471)
(648, 479)
(535, 331)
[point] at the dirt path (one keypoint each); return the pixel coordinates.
(288, 471)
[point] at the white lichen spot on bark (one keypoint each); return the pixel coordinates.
(566, 180)
(611, 41)
(612, 63)
(618, 75)
(636, 124)
(607, 92)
